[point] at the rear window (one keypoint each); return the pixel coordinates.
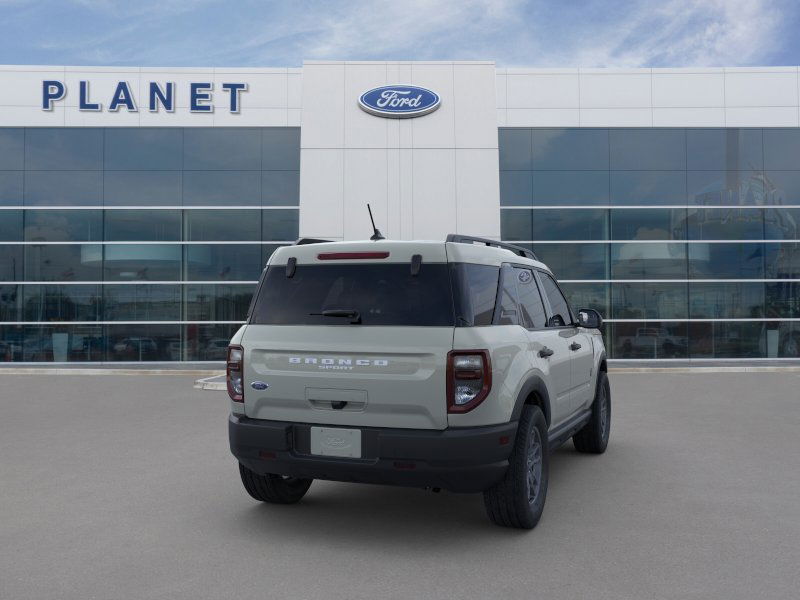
(382, 294)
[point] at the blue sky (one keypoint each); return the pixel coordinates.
(586, 33)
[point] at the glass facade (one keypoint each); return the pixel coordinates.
(685, 240)
(138, 244)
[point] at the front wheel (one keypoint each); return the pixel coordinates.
(518, 500)
(593, 437)
(275, 489)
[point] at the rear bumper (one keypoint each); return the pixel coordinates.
(461, 460)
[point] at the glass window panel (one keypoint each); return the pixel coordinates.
(587, 295)
(11, 189)
(726, 300)
(221, 148)
(63, 148)
(67, 262)
(783, 187)
(559, 308)
(11, 225)
(142, 225)
(266, 252)
(649, 224)
(648, 149)
(781, 223)
(143, 148)
(222, 225)
(62, 303)
(650, 339)
(575, 261)
(515, 149)
(147, 262)
(782, 299)
(221, 188)
(143, 188)
(10, 308)
(727, 340)
(142, 302)
(782, 261)
(555, 188)
(581, 224)
(209, 302)
(516, 225)
(507, 298)
(726, 224)
(570, 149)
(783, 341)
(208, 342)
(648, 261)
(280, 225)
(63, 225)
(648, 187)
(637, 300)
(726, 261)
(280, 147)
(63, 188)
(516, 188)
(143, 342)
(11, 339)
(730, 188)
(12, 148)
(724, 149)
(11, 263)
(235, 262)
(474, 293)
(782, 148)
(63, 343)
(531, 304)
(280, 188)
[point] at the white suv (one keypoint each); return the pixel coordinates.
(456, 365)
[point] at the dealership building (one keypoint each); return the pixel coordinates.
(138, 206)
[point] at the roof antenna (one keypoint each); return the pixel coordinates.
(377, 235)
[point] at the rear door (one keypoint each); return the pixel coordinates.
(383, 365)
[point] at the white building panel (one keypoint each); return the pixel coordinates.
(757, 89)
(542, 90)
(689, 90)
(615, 90)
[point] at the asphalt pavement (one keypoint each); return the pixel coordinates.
(115, 486)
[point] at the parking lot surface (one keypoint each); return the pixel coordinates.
(124, 487)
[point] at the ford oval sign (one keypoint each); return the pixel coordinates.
(399, 101)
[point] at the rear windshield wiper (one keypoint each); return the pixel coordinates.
(353, 315)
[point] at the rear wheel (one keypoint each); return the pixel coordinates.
(275, 489)
(518, 500)
(593, 438)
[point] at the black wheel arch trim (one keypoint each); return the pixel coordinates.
(534, 384)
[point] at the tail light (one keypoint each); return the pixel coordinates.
(234, 373)
(469, 379)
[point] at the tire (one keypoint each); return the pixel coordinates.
(275, 489)
(593, 438)
(518, 500)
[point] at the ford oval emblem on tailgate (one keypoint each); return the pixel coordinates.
(259, 385)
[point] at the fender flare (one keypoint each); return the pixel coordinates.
(534, 383)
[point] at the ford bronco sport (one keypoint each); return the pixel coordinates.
(456, 365)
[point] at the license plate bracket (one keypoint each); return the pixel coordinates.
(335, 441)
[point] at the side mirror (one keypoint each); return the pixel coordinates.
(589, 318)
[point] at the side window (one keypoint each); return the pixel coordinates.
(506, 310)
(557, 301)
(474, 293)
(530, 302)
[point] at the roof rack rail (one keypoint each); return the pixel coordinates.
(468, 239)
(304, 241)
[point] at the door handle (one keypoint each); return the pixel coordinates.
(574, 346)
(545, 352)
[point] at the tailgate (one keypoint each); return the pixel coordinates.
(367, 376)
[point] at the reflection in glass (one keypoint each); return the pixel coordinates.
(574, 261)
(67, 262)
(148, 262)
(11, 263)
(142, 188)
(650, 339)
(557, 188)
(515, 149)
(570, 149)
(648, 261)
(222, 148)
(280, 188)
(280, 148)
(62, 303)
(724, 149)
(783, 299)
(10, 225)
(727, 340)
(62, 343)
(10, 305)
(782, 260)
(234, 262)
(63, 225)
(63, 188)
(648, 224)
(221, 188)
(63, 148)
(516, 188)
(280, 225)
(11, 188)
(731, 188)
(726, 223)
(12, 148)
(648, 187)
(222, 225)
(726, 261)
(782, 148)
(648, 149)
(143, 342)
(142, 225)
(726, 300)
(588, 295)
(142, 302)
(640, 300)
(208, 342)
(143, 148)
(218, 302)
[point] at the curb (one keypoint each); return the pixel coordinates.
(56, 371)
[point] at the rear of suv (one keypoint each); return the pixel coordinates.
(456, 365)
